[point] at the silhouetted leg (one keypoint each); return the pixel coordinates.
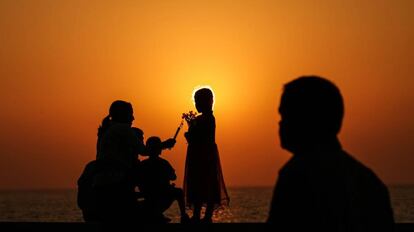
(197, 211)
(209, 212)
(179, 196)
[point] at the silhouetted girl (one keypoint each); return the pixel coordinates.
(203, 180)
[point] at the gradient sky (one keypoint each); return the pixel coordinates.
(62, 63)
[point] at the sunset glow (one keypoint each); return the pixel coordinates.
(62, 63)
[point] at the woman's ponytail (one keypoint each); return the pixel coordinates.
(106, 122)
(104, 125)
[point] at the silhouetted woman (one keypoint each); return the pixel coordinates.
(203, 180)
(118, 147)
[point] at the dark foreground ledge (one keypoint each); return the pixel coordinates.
(227, 227)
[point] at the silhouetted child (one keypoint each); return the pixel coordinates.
(203, 180)
(156, 174)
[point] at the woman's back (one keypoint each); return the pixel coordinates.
(119, 144)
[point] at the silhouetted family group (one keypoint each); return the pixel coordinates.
(321, 187)
(107, 188)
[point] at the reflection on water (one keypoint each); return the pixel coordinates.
(247, 204)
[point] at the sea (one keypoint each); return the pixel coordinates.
(248, 204)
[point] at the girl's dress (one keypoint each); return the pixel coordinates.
(203, 177)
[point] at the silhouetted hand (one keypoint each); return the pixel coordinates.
(169, 143)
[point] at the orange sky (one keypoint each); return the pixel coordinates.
(63, 62)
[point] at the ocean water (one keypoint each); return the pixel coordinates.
(248, 204)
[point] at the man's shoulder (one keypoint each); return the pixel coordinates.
(295, 166)
(362, 173)
(357, 165)
(300, 165)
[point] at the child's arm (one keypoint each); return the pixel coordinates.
(169, 143)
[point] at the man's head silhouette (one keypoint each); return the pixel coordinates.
(322, 186)
(311, 110)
